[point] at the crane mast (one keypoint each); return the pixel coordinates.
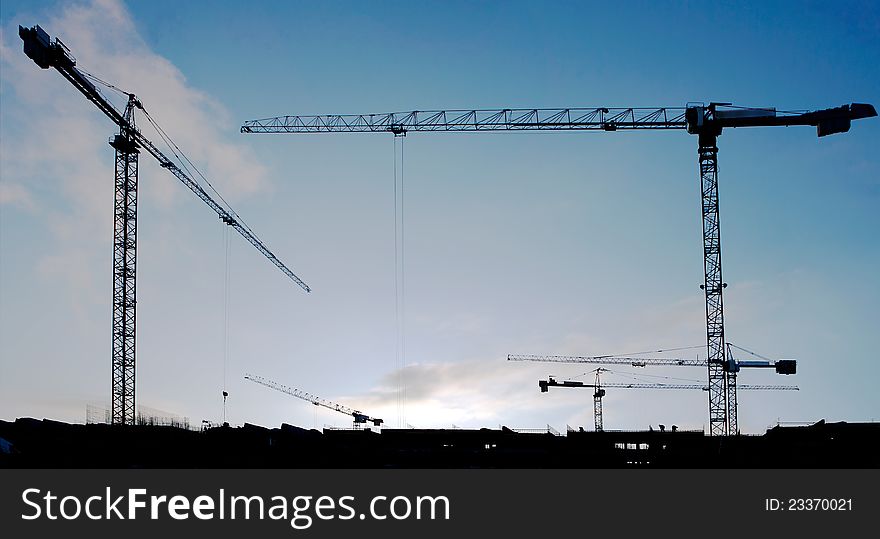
(122, 408)
(598, 393)
(722, 383)
(698, 119)
(128, 142)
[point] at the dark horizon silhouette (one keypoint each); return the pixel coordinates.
(31, 443)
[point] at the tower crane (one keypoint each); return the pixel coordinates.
(705, 121)
(731, 366)
(128, 143)
(359, 417)
(599, 389)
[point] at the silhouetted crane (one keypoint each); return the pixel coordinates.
(128, 142)
(599, 389)
(705, 121)
(359, 417)
(732, 366)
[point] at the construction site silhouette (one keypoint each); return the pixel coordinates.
(32, 443)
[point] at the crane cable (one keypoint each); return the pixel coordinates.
(402, 287)
(397, 293)
(660, 351)
(182, 159)
(639, 377)
(396, 290)
(103, 82)
(226, 247)
(749, 352)
(399, 287)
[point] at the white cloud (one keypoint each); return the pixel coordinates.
(466, 393)
(56, 160)
(55, 132)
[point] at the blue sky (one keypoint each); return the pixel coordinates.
(584, 243)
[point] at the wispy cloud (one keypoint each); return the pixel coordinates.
(55, 158)
(466, 393)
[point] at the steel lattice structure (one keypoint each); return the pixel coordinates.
(359, 417)
(609, 360)
(570, 119)
(598, 393)
(702, 120)
(713, 285)
(122, 408)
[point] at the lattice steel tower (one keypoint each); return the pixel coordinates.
(124, 268)
(713, 285)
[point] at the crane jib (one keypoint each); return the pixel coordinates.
(358, 416)
(697, 119)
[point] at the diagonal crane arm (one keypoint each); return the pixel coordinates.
(230, 218)
(359, 417)
(46, 53)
